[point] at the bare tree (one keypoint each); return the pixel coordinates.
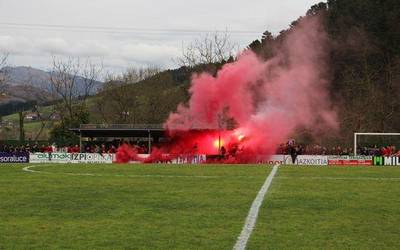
(44, 120)
(73, 82)
(137, 74)
(118, 101)
(3, 72)
(207, 49)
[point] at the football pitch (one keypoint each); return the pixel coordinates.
(83, 206)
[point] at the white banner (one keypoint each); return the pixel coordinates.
(315, 160)
(275, 159)
(71, 158)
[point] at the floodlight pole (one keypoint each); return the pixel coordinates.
(149, 151)
(80, 141)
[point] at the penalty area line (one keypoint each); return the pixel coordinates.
(253, 212)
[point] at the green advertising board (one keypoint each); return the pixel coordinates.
(386, 161)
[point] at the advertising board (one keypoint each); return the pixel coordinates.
(175, 159)
(307, 160)
(71, 158)
(14, 157)
(386, 161)
(188, 159)
(347, 160)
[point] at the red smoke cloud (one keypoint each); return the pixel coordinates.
(269, 100)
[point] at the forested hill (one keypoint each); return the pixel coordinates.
(365, 62)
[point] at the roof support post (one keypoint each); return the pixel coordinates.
(80, 141)
(149, 141)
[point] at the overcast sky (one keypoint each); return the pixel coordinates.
(125, 33)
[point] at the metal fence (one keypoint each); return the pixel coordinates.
(121, 126)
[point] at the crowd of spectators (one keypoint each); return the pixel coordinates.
(379, 151)
(87, 147)
(316, 149)
(111, 147)
(141, 148)
(28, 148)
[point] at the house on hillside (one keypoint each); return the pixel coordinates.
(55, 117)
(31, 116)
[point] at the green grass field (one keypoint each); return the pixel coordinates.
(197, 207)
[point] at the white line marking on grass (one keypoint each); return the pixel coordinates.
(28, 169)
(253, 213)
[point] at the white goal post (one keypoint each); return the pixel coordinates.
(357, 134)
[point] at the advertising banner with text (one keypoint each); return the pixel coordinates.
(71, 158)
(386, 161)
(347, 160)
(307, 160)
(14, 157)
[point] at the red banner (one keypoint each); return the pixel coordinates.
(350, 162)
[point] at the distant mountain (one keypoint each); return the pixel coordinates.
(38, 78)
(28, 76)
(30, 85)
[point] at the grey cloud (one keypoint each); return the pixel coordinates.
(155, 39)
